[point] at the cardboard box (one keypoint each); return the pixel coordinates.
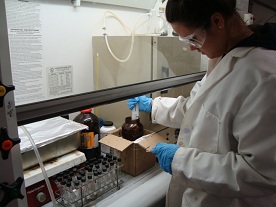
(135, 156)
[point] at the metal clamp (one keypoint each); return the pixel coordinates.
(3, 91)
(6, 143)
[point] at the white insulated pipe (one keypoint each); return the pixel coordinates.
(147, 194)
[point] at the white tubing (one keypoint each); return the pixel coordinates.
(41, 166)
(125, 27)
(117, 18)
(114, 56)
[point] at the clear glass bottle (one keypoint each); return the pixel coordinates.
(58, 180)
(69, 191)
(77, 192)
(119, 166)
(100, 181)
(83, 188)
(108, 175)
(63, 192)
(112, 170)
(105, 178)
(90, 187)
(96, 184)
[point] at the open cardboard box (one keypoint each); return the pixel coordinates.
(136, 156)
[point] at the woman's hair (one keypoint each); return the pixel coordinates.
(196, 13)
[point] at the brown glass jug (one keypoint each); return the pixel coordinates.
(89, 137)
(132, 129)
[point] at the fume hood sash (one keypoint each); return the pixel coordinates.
(47, 109)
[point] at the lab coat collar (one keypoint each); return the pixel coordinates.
(222, 69)
(240, 51)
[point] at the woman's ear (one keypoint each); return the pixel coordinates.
(217, 20)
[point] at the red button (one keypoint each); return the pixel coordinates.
(7, 145)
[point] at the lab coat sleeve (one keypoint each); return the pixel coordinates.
(249, 172)
(170, 111)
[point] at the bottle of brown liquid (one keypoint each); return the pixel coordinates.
(132, 129)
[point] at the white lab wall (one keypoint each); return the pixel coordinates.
(66, 41)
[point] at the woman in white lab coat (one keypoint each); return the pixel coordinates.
(226, 150)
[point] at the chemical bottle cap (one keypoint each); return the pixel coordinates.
(108, 123)
(68, 183)
(86, 111)
(76, 183)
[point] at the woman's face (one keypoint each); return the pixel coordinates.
(214, 42)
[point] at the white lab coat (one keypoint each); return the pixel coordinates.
(227, 134)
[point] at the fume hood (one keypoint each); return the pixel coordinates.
(105, 95)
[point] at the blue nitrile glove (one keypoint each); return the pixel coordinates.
(165, 153)
(143, 102)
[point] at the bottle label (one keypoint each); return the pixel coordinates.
(87, 140)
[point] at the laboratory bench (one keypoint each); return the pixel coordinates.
(148, 184)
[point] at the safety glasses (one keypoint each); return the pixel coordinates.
(195, 39)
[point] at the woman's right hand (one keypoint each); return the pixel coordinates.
(144, 103)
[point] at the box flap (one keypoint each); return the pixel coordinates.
(115, 142)
(151, 140)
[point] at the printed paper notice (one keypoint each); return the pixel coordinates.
(26, 50)
(60, 80)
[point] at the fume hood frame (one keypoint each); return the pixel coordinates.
(141, 4)
(56, 107)
(12, 116)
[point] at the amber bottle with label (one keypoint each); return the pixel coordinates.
(132, 129)
(90, 136)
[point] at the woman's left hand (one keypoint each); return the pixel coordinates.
(165, 153)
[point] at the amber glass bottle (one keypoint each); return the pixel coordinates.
(90, 136)
(132, 129)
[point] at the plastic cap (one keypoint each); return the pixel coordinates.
(86, 111)
(108, 123)
(76, 183)
(7, 145)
